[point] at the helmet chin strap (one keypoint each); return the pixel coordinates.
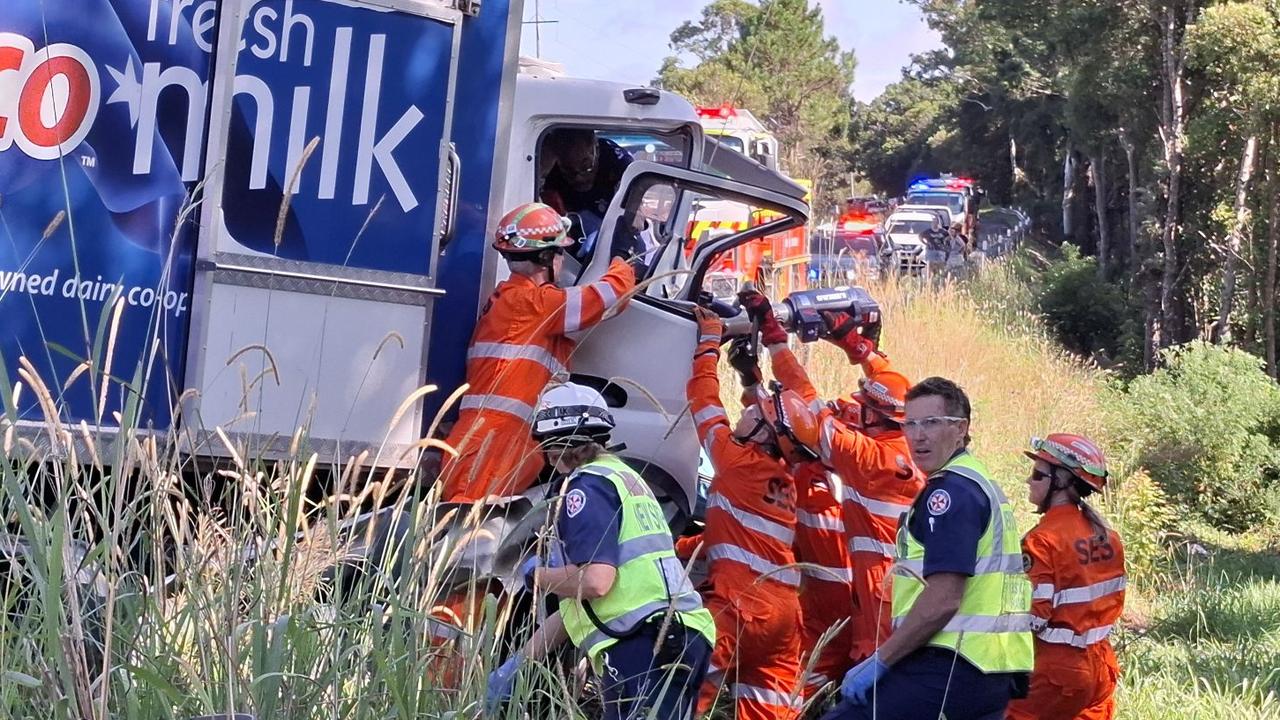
(1054, 487)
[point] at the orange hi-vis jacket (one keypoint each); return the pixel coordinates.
(826, 587)
(750, 528)
(880, 483)
(520, 342)
(1078, 587)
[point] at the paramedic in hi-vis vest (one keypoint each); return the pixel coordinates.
(624, 599)
(961, 642)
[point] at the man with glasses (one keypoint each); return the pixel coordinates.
(961, 644)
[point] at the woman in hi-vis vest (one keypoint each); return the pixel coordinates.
(624, 599)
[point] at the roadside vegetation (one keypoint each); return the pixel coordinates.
(124, 596)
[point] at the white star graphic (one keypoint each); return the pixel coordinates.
(129, 90)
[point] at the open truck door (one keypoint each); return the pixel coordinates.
(332, 184)
(641, 360)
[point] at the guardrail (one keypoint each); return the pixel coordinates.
(995, 244)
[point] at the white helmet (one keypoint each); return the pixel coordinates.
(572, 414)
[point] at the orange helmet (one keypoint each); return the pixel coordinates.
(886, 392)
(530, 228)
(1075, 453)
(792, 419)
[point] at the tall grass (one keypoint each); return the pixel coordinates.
(145, 587)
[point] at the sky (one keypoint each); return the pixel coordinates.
(626, 40)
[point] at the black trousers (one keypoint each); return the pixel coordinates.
(930, 682)
(637, 681)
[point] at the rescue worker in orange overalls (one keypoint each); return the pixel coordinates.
(826, 585)
(520, 342)
(750, 526)
(1076, 565)
(871, 457)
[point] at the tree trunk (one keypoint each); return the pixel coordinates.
(1173, 131)
(1068, 193)
(1273, 238)
(1222, 331)
(1131, 163)
(1098, 176)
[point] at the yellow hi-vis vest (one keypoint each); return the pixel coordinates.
(650, 579)
(992, 628)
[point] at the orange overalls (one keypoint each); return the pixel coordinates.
(880, 483)
(520, 342)
(1078, 585)
(751, 591)
(826, 587)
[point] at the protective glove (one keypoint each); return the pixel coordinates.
(761, 311)
(843, 333)
(555, 554)
(710, 327)
(502, 682)
(744, 358)
(858, 682)
(526, 571)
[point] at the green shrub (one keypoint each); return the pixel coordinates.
(1138, 509)
(1205, 426)
(1085, 313)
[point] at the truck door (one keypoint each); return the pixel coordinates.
(642, 358)
(331, 185)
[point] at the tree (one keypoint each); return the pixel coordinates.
(1236, 45)
(775, 60)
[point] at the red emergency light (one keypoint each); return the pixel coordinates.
(722, 112)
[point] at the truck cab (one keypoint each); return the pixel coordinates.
(679, 180)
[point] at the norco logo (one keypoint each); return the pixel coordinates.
(48, 99)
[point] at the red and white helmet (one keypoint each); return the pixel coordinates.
(1075, 453)
(531, 228)
(886, 392)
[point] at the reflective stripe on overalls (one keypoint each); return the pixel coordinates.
(992, 627)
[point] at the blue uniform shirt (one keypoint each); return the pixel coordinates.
(949, 517)
(590, 521)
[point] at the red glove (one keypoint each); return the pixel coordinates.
(844, 334)
(759, 310)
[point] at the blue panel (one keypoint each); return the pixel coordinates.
(372, 85)
(475, 128)
(120, 85)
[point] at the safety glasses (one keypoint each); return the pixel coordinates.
(931, 423)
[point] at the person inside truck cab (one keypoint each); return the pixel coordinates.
(584, 175)
(586, 172)
(520, 342)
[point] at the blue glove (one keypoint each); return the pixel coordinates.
(526, 571)
(502, 683)
(555, 554)
(858, 681)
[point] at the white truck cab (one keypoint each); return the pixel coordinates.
(641, 359)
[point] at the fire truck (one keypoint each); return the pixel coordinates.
(782, 259)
